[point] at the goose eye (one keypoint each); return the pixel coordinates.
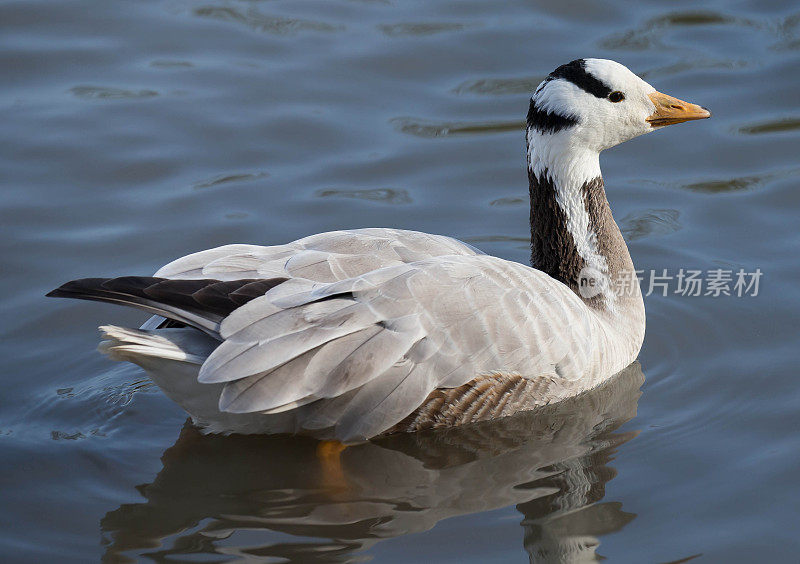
(616, 96)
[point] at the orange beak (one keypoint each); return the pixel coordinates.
(670, 110)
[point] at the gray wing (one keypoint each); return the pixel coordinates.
(324, 257)
(360, 353)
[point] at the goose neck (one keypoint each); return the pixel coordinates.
(574, 237)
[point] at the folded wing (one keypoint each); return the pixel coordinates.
(361, 354)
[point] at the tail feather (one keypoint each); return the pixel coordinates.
(203, 304)
(181, 345)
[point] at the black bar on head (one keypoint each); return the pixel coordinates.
(547, 122)
(576, 73)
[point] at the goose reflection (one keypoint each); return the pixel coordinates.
(271, 498)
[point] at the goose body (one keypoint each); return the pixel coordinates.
(352, 334)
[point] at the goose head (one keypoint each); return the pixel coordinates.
(595, 104)
(579, 110)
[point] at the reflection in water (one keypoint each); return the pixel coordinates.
(271, 497)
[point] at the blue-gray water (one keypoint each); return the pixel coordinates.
(136, 132)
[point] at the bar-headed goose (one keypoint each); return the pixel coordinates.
(350, 334)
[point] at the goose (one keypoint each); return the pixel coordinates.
(352, 334)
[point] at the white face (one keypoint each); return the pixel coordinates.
(608, 104)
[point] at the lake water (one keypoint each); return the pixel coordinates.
(136, 132)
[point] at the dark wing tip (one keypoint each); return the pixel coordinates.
(69, 289)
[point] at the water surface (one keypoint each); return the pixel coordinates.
(136, 132)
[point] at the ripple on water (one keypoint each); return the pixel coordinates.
(684, 374)
(740, 183)
(645, 223)
(694, 63)
(499, 86)
(63, 436)
(649, 34)
(692, 18)
(730, 184)
(257, 21)
(87, 410)
(110, 93)
(736, 184)
(230, 179)
(780, 125)
(419, 29)
(510, 201)
(431, 129)
(382, 195)
(170, 64)
(787, 31)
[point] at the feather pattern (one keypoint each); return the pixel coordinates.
(397, 333)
